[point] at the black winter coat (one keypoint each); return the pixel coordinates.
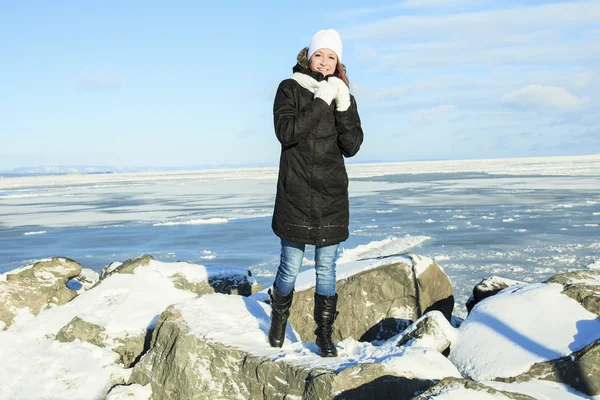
(312, 205)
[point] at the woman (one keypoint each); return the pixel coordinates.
(317, 124)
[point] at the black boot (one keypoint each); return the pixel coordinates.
(280, 311)
(325, 315)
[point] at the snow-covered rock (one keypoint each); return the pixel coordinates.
(489, 287)
(216, 280)
(28, 290)
(98, 333)
(431, 331)
(149, 316)
(582, 286)
(531, 332)
(86, 280)
(130, 392)
(216, 346)
(462, 389)
(580, 370)
(376, 299)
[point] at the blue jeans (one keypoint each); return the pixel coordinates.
(291, 261)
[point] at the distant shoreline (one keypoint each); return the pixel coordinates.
(104, 170)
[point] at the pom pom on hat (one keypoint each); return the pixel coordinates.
(326, 39)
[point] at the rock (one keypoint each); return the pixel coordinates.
(86, 280)
(130, 392)
(109, 269)
(431, 331)
(517, 337)
(215, 346)
(378, 303)
(456, 388)
(580, 370)
(582, 286)
(243, 285)
(33, 288)
(118, 313)
(230, 282)
(85, 331)
(128, 346)
(487, 288)
(127, 267)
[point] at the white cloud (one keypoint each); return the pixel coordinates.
(481, 23)
(582, 79)
(362, 52)
(101, 77)
(536, 96)
(359, 90)
(441, 3)
(411, 4)
(431, 114)
(426, 60)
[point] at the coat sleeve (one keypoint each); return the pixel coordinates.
(291, 125)
(350, 133)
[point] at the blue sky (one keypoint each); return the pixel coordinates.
(180, 84)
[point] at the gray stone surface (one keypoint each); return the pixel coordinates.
(127, 267)
(181, 365)
(379, 303)
(85, 331)
(580, 370)
(488, 287)
(447, 385)
(226, 285)
(34, 288)
(582, 286)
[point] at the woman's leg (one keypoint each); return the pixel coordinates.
(325, 258)
(325, 299)
(290, 262)
(283, 290)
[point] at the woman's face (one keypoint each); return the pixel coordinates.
(323, 61)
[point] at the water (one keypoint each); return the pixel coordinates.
(528, 221)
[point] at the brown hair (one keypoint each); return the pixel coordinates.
(340, 72)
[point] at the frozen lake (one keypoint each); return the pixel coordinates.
(525, 219)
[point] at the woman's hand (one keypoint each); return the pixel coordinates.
(342, 99)
(327, 92)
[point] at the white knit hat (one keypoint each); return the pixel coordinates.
(326, 39)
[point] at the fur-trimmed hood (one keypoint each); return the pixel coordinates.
(302, 66)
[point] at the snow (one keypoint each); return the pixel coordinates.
(460, 393)
(540, 390)
(195, 222)
(497, 281)
(519, 327)
(595, 265)
(48, 369)
(443, 334)
(382, 248)
(34, 233)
